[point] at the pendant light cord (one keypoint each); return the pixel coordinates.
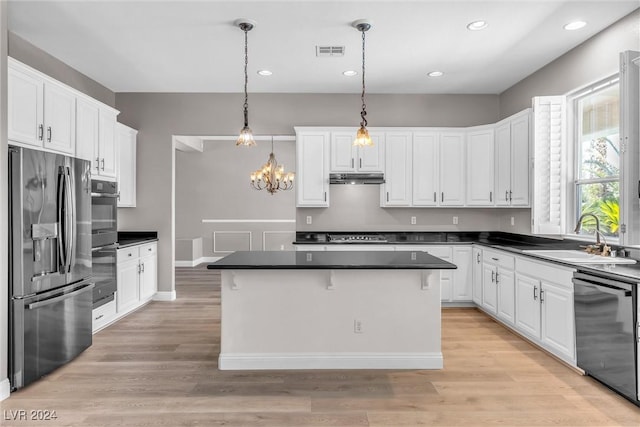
(363, 113)
(246, 79)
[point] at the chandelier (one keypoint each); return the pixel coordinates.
(362, 137)
(271, 176)
(246, 136)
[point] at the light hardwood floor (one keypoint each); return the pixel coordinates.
(158, 367)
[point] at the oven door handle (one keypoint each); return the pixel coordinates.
(597, 280)
(58, 298)
(109, 246)
(105, 195)
(604, 288)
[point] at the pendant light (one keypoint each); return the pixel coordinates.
(246, 136)
(362, 137)
(271, 176)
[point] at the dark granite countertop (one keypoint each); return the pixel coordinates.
(132, 238)
(325, 260)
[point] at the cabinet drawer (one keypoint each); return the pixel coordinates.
(128, 254)
(547, 272)
(104, 314)
(148, 249)
(498, 258)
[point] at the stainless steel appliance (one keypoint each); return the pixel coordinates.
(607, 331)
(50, 285)
(357, 238)
(104, 274)
(104, 213)
(356, 178)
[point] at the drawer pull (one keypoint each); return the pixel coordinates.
(495, 259)
(99, 317)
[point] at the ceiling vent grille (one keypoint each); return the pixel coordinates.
(329, 51)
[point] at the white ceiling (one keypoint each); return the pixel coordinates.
(193, 46)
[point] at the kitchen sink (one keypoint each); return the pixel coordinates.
(579, 257)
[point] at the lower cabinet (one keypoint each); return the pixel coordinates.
(137, 271)
(544, 306)
(476, 261)
(104, 315)
(498, 285)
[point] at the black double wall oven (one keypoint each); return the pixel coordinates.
(104, 239)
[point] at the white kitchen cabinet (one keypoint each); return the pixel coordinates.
(345, 157)
(480, 167)
(312, 168)
(137, 276)
(87, 131)
(396, 191)
(104, 315)
(498, 285)
(126, 144)
(425, 168)
(544, 306)
(512, 160)
(476, 260)
(105, 149)
(446, 276)
(41, 112)
(451, 168)
(462, 277)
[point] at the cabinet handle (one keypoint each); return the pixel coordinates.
(102, 163)
(541, 295)
(434, 197)
(387, 196)
(99, 317)
(139, 270)
(491, 196)
(41, 132)
(129, 254)
(49, 133)
(510, 193)
(442, 196)
(142, 267)
(478, 258)
(493, 277)
(535, 293)
(98, 164)
(495, 259)
(506, 196)
(360, 162)
(497, 281)
(352, 165)
(325, 196)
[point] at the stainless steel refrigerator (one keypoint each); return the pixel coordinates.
(50, 285)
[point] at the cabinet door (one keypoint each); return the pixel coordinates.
(462, 281)
(371, 159)
(24, 108)
(128, 294)
(343, 153)
(480, 168)
(489, 290)
(312, 169)
(519, 195)
(425, 168)
(396, 190)
(87, 125)
(126, 165)
(557, 319)
(505, 280)
(148, 277)
(503, 164)
(451, 167)
(107, 144)
(528, 305)
(60, 118)
(477, 275)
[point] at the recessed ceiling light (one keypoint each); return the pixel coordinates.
(477, 25)
(350, 73)
(264, 72)
(436, 74)
(576, 25)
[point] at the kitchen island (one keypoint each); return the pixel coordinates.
(330, 310)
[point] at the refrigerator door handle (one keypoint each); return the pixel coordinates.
(70, 220)
(62, 262)
(59, 297)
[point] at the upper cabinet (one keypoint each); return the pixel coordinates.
(396, 191)
(512, 159)
(480, 166)
(347, 158)
(48, 115)
(312, 167)
(452, 173)
(41, 113)
(126, 143)
(425, 168)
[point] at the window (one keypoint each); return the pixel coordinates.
(597, 157)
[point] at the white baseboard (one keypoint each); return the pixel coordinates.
(5, 389)
(164, 296)
(197, 262)
(256, 361)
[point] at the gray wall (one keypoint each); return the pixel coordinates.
(37, 58)
(159, 116)
(4, 197)
(587, 63)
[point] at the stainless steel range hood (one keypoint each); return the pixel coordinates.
(356, 178)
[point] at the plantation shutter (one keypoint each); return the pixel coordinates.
(549, 165)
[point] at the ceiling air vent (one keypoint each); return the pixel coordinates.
(329, 51)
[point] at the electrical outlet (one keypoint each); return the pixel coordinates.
(282, 247)
(513, 221)
(413, 220)
(357, 326)
(455, 220)
(309, 219)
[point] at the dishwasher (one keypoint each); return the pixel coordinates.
(607, 331)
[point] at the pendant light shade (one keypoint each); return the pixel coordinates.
(246, 136)
(362, 137)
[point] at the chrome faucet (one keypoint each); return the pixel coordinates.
(597, 233)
